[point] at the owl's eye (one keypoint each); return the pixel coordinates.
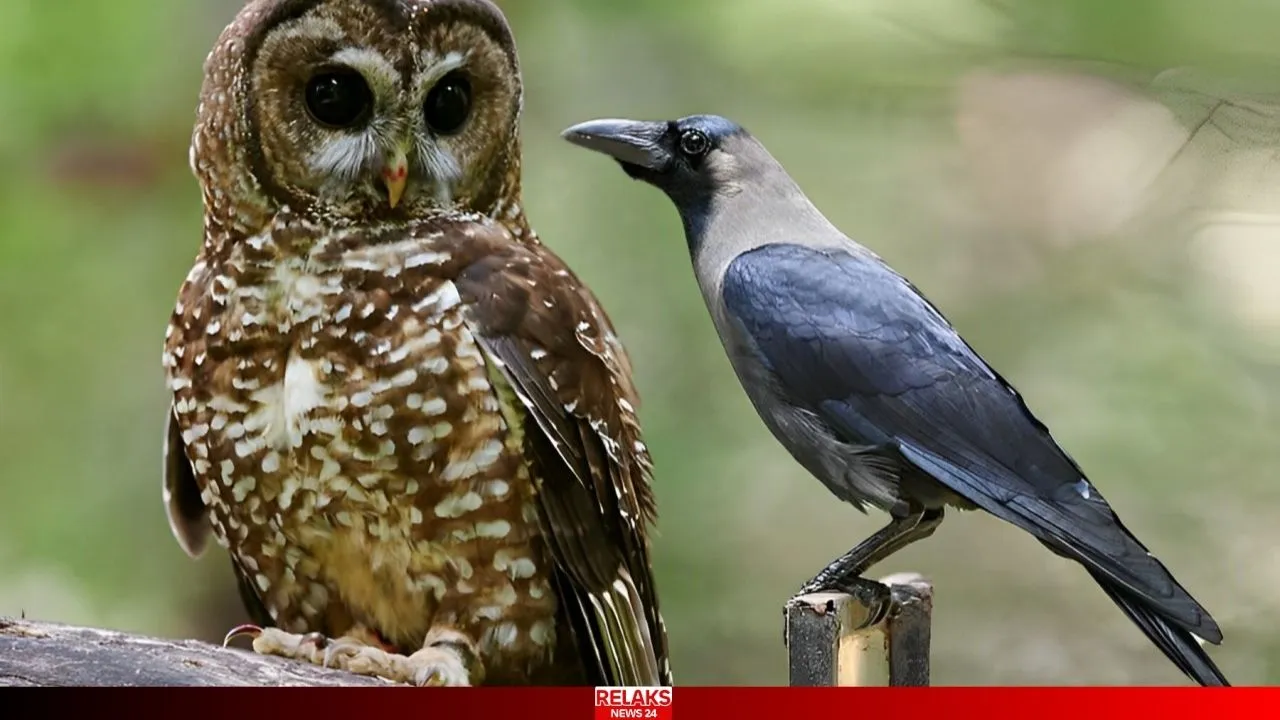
(339, 98)
(448, 104)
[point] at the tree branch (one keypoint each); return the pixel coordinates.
(53, 655)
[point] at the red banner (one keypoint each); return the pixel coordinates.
(680, 703)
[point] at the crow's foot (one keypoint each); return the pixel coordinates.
(874, 596)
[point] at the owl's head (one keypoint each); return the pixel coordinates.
(349, 110)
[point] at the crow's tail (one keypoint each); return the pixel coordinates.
(1176, 643)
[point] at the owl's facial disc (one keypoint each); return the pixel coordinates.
(368, 128)
(364, 109)
(369, 148)
(376, 140)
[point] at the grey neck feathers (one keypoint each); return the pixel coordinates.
(760, 205)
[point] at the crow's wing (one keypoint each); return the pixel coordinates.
(852, 341)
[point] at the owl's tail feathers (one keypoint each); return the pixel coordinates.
(628, 645)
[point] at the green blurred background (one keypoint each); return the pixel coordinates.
(1100, 223)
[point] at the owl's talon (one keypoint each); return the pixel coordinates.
(438, 666)
(342, 648)
(449, 658)
(248, 630)
(444, 661)
(318, 641)
(294, 646)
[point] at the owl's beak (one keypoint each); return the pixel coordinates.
(394, 175)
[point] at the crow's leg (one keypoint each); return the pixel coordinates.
(844, 573)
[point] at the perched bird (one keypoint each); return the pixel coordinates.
(410, 424)
(869, 387)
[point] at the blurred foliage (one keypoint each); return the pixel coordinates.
(1138, 318)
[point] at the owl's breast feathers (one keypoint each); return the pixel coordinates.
(413, 425)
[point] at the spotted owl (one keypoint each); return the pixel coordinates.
(409, 424)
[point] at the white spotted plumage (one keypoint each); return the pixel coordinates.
(285, 437)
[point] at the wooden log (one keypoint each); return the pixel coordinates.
(53, 655)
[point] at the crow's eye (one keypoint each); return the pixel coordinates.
(448, 104)
(339, 98)
(694, 143)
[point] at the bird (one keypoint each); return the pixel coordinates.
(411, 426)
(869, 387)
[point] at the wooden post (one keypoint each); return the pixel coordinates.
(828, 634)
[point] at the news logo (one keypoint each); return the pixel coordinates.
(633, 703)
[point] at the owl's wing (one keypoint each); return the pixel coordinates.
(551, 346)
(189, 516)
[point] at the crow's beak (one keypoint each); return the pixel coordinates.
(631, 142)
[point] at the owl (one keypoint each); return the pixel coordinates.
(409, 424)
